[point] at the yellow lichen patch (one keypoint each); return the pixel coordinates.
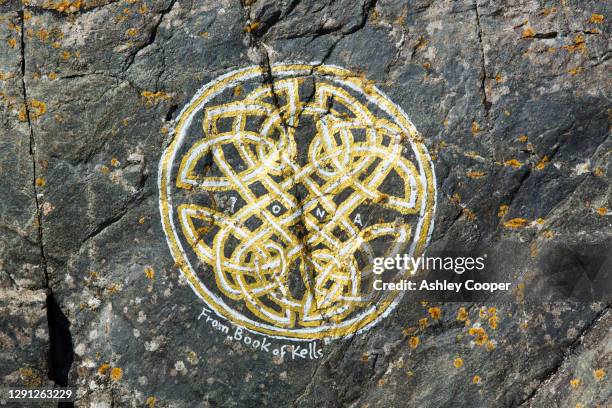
(515, 223)
(414, 342)
(575, 383)
(64, 6)
(141, 220)
(476, 380)
(458, 362)
(40, 182)
(131, 32)
(151, 402)
(577, 45)
(548, 234)
(528, 32)
(143, 9)
(542, 163)
(52, 76)
(149, 272)
(602, 211)
(499, 78)
(65, 55)
(42, 34)
(599, 374)
(455, 199)
(114, 162)
(503, 210)
(154, 98)
(116, 374)
(493, 321)
(523, 138)
(598, 172)
(254, 25)
(55, 44)
(238, 90)
(468, 214)
(476, 174)
(513, 163)
(539, 221)
(104, 170)
(434, 312)
(38, 108)
(11, 42)
(596, 19)
(479, 334)
(462, 314)
(574, 71)
(475, 128)
(490, 345)
(423, 323)
(103, 369)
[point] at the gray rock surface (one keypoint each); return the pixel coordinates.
(512, 102)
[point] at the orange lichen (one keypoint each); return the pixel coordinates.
(599, 374)
(528, 32)
(131, 32)
(238, 91)
(153, 98)
(574, 71)
(513, 163)
(458, 362)
(476, 174)
(548, 234)
(479, 334)
(542, 163)
(503, 210)
(475, 128)
(602, 211)
(469, 214)
(515, 223)
(40, 182)
(493, 321)
(596, 19)
(414, 342)
(103, 369)
(455, 199)
(575, 383)
(523, 138)
(476, 380)
(598, 172)
(64, 6)
(578, 44)
(434, 312)
(151, 402)
(141, 220)
(423, 323)
(490, 345)
(462, 314)
(254, 25)
(116, 374)
(11, 42)
(149, 272)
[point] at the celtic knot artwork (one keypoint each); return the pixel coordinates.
(277, 193)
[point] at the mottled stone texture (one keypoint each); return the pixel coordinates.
(511, 98)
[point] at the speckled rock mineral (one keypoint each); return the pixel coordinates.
(179, 180)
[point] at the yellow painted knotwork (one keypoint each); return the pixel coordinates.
(306, 163)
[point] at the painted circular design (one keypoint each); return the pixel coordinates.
(276, 196)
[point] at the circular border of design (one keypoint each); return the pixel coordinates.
(371, 315)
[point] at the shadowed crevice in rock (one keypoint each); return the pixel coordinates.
(61, 353)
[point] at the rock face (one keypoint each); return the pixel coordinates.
(511, 102)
